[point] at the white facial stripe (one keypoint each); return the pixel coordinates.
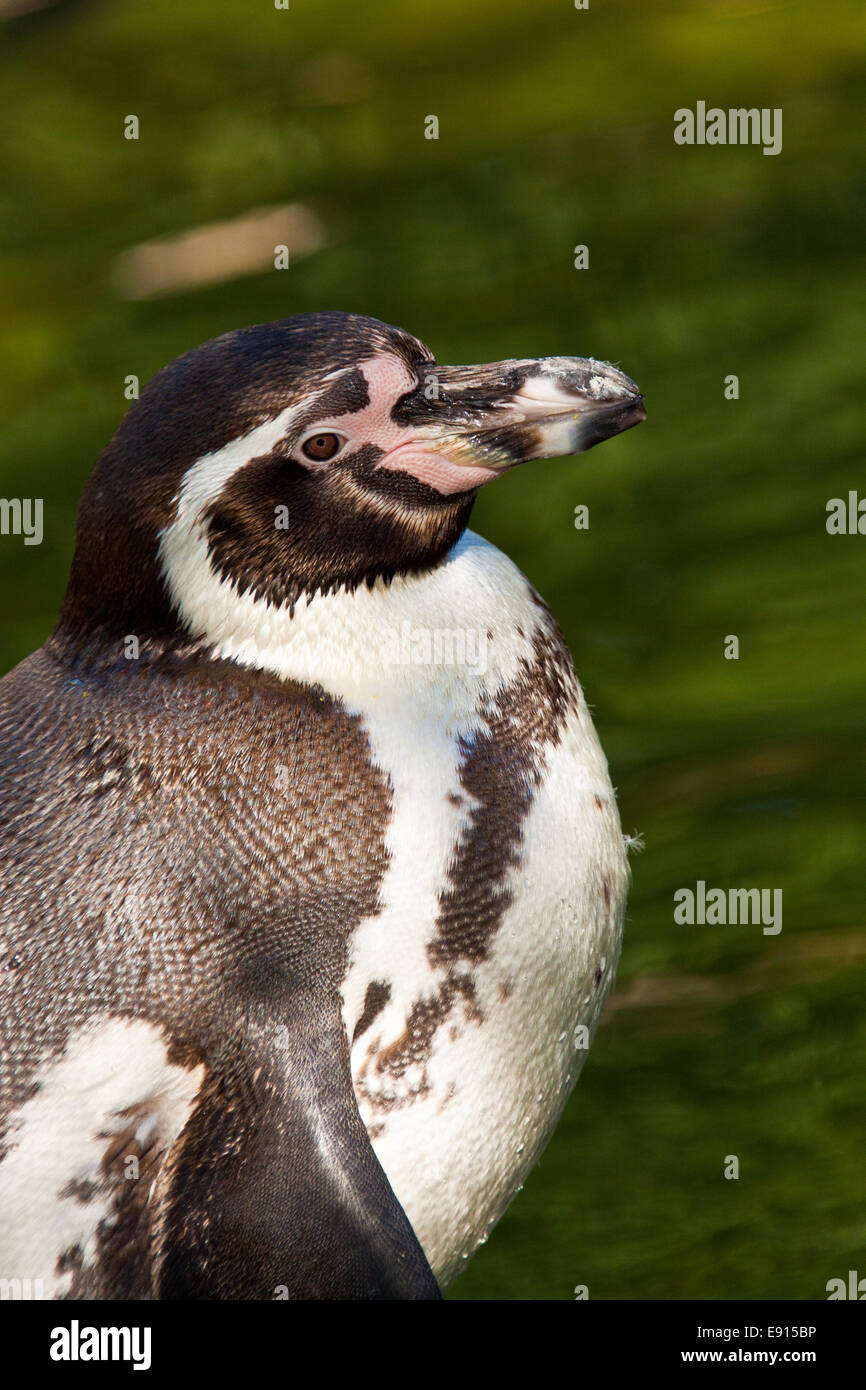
(205, 480)
(58, 1137)
(202, 600)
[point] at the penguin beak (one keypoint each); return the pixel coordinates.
(500, 414)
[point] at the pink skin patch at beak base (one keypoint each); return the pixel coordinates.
(404, 452)
(435, 469)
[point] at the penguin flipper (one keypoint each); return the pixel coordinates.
(274, 1188)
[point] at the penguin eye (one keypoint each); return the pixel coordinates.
(320, 447)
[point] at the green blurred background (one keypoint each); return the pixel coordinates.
(556, 129)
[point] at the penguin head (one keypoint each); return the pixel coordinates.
(309, 455)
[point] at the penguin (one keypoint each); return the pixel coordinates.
(313, 880)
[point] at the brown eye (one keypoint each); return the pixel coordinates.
(321, 447)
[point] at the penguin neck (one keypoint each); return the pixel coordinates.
(452, 636)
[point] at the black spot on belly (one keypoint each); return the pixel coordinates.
(69, 1261)
(502, 769)
(377, 996)
(425, 1016)
(80, 1190)
(415, 1044)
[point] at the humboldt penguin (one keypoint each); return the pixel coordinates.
(312, 874)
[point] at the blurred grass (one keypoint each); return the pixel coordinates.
(555, 129)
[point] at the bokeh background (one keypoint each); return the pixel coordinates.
(556, 129)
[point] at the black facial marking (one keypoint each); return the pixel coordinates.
(404, 487)
(342, 530)
(345, 396)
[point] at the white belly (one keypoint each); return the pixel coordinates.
(458, 1130)
(461, 1076)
